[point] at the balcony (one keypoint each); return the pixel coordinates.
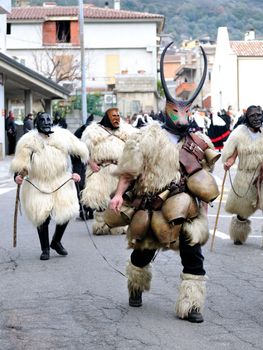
(184, 90)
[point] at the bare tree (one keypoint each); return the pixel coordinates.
(57, 65)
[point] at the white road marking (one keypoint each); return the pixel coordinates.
(7, 189)
(230, 216)
(219, 234)
(223, 235)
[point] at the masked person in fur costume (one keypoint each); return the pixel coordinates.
(164, 170)
(48, 190)
(105, 141)
(245, 196)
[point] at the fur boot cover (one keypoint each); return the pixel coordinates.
(239, 229)
(197, 230)
(121, 230)
(192, 293)
(99, 226)
(139, 279)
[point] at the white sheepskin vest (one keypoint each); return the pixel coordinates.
(47, 161)
(104, 147)
(250, 156)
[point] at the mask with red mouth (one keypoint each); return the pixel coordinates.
(177, 111)
(111, 118)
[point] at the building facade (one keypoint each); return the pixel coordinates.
(117, 44)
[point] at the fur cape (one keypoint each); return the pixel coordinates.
(47, 161)
(153, 161)
(250, 157)
(103, 146)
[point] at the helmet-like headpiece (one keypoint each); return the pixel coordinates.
(177, 111)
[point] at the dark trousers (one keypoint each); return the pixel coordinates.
(43, 233)
(11, 143)
(191, 257)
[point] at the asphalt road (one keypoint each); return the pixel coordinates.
(80, 302)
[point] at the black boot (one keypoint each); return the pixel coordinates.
(135, 299)
(237, 242)
(44, 239)
(55, 243)
(195, 316)
(90, 213)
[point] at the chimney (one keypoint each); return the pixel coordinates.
(22, 3)
(250, 35)
(117, 4)
(49, 4)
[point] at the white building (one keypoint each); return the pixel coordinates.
(116, 43)
(20, 83)
(237, 72)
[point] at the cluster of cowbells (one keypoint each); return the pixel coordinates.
(166, 223)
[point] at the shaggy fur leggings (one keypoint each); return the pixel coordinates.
(191, 257)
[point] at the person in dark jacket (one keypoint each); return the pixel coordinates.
(28, 123)
(219, 129)
(80, 168)
(60, 121)
(10, 127)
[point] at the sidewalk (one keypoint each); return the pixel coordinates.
(5, 175)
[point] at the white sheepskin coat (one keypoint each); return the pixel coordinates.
(103, 147)
(151, 158)
(47, 161)
(250, 156)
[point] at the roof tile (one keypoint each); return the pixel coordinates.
(90, 11)
(247, 48)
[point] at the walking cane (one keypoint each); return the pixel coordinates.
(15, 216)
(218, 211)
(23, 174)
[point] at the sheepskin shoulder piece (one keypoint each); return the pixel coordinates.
(151, 155)
(94, 134)
(241, 139)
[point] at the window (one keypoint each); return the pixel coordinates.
(112, 68)
(63, 31)
(8, 28)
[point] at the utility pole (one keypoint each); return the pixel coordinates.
(83, 71)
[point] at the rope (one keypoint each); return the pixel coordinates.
(101, 165)
(95, 245)
(249, 186)
(44, 192)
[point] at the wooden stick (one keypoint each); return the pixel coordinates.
(218, 210)
(15, 216)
